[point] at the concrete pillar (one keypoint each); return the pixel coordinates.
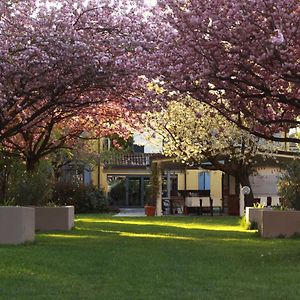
(159, 192)
(127, 191)
(169, 184)
(142, 190)
(242, 202)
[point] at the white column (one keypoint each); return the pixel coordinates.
(169, 184)
(242, 202)
(159, 192)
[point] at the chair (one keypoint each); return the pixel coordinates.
(206, 206)
(176, 203)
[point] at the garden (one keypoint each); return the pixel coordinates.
(107, 257)
(217, 81)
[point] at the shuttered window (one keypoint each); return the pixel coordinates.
(204, 181)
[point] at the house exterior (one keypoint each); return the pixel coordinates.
(225, 190)
(264, 185)
(126, 180)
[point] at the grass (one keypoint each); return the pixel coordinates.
(151, 258)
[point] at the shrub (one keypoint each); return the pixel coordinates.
(243, 223)
(253, 225)
(63, 193)
(29, 188)
(85, 198)
(259, 205)
(289, 185)
(247, 225)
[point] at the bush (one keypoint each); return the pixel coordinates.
(29, 188)
(85, 198)
(244, 224)
(289, 186)
(63, 193)
(247, 225)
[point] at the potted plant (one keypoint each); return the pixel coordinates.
(153, 190)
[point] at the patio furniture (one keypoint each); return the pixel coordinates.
(204, 205)
(176, 204)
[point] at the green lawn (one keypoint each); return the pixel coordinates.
(151, 258)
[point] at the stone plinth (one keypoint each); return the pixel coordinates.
(279, 223)
(17, 224)
(54, 218)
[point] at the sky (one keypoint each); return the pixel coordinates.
(150, 146)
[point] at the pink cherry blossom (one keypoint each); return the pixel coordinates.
(241, 57)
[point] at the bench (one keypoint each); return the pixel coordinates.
(204, 205)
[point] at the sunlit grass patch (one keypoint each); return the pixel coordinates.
(170, 223)
(68, 236)
(144, 235)
(106, 257)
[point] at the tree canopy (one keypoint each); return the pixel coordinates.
(56, 132)
(58, 57)
(194, 133)
(240, 57)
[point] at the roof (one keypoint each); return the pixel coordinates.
(170, 162)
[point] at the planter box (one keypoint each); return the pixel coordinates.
(253, 214)
(279, 223)
(16, 224)
(54, 218)
(150, 210)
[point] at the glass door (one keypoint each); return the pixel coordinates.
(134, 191)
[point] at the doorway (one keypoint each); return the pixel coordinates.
(230, 195)
(128, 191)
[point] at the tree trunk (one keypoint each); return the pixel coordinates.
(240, 171)
(244, 180)
(3, 184)
(31, 163)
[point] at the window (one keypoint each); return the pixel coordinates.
(106, 144)
(204, 181)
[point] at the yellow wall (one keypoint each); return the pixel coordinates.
(106, 172)
(216, 184)
(192, 181)
(180, 182)
(103, 178)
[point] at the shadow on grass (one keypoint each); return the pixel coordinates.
(204, 235)
(192, 229)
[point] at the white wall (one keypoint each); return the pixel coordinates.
(264, 183)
